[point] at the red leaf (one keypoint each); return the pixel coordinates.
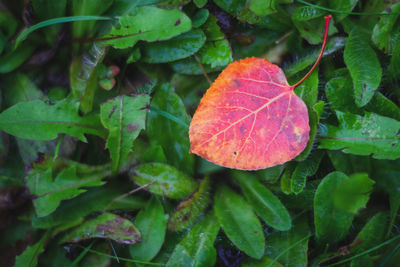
(250, 118)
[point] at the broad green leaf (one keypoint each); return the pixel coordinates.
(338, 92)
(383, 30)
(344, 6)
(152, 224)
(96, 199)
(305, 13)
(197, 247)
(148, 23)
(106, 225)
(191, 66)
(353, 193)
(31, 254)
(239, 222)
(172, 136)
(50, 192)
(331, 222)
(189, 210)
(286, 177)
(262, 7)
(290, 248)
(84, 76)
(363, 65)
(179, 47)
(372, 234)
(124, 117)
(166, 180)
(230, 6)
(264, 203)
(39, 121)
(303, 170)
(370, 134)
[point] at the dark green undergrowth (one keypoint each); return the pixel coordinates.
(96, 101)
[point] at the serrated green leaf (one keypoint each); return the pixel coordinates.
(261, 7)
(264, 202)
(147, 23)
(124, 117)
(179, 47)
(108, 226)
(197, 247)
(39, 121)
(363, 65)
(152, 224)
(166, 180)
(31, 254)
(51, 192)
(239, 222)
(370, 134)
(189, 210)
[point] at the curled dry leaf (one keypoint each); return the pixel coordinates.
(250, 118)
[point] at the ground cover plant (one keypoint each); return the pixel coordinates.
(96, 102)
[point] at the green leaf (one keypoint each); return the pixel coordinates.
(290, 248)
(345, 6)
(124, 117)
(106, 225)
(179, 47)
(262, 7)
(332, 218)
(148, 23)
(370, 134)
(47, 9)
(65, 185)
(200, 18)
(84, 76)
(372, 234)
(303, 170)
(363, 65)
(15, 58)
(312, 29)
(394, 67)
(239, 222)
(353, 193)
(264, 261)
(383, 30)
(171, 136)
(96, 199)
(305, 13)
(152, 223)
(166, 180)
(216, 54)
(31, 254)
(189, 210)
(333, 44)
(39, 121)
(197, 247)
(87, 7)
(339, 90)
(264, 203)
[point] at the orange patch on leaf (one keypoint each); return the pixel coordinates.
(250, 118)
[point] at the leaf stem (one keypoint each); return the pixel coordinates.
(327, 20)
